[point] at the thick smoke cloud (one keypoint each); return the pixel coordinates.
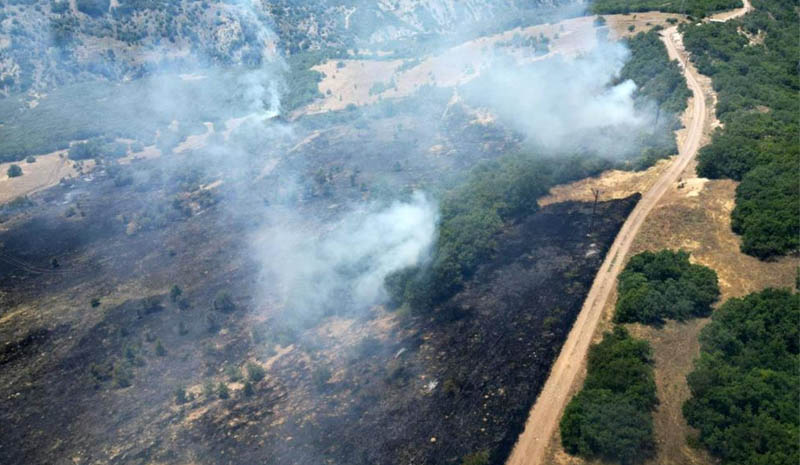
(564, 104)
(343, 268)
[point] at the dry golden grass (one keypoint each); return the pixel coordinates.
(696, 218)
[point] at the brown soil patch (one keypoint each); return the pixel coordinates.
(619, 25)
(47, 171)
(350, 81)
(613, 184)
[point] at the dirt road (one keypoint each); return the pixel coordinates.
(543, 418)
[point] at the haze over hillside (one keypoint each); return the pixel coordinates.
(360, 232)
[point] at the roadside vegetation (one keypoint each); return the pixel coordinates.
(659, 285)
(696, 8)
(752, 64)
(611, 417)
(473, 213)
(658, 79)
(745, 385)
(503, 191)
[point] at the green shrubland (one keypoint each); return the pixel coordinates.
(745, 385)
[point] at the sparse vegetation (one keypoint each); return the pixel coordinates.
(223, 302)
(255, 372)
(222, 390)
(476, 458)
(696, 8)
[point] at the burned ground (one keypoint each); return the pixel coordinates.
(82, 378)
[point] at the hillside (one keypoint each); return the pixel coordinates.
(350, 233)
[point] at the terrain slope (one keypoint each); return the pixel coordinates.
(544, 417)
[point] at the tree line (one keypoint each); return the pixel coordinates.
(753, 66)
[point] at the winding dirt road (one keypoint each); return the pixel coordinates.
(543, 418)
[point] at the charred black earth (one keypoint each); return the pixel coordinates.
(82, 379)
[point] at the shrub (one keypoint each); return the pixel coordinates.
(233, 373)
(255, 372)
(161, 351)
(476, 458)
(175, 293)
(93, 7)
(223, 302)
(320, 376)
(95, 302)
(180, 395)
(150, 304)
(30, 159)
(212, 323)
(208, 389)
(758, 100)
(122, 375)
(14, 171)
(222, 390)
(248, 389)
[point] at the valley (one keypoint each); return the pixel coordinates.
(350, 232)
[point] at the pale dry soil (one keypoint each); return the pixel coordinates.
(349, 81)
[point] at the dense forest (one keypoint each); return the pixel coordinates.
(753, 66)
(745, 384)
(658, 80)
(696, 8)
(611, 417)
(659, 285)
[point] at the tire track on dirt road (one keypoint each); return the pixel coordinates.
(543, 418)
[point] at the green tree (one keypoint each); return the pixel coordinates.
(222, 390)
(14, 171)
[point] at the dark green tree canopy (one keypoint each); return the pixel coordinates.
(745, 385)
(659, 285)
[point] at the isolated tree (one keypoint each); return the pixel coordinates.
(248, 389)
(180, 395)
(14, 171)
(160, 350)
(222, 390)
(255, 372)
(175, 293)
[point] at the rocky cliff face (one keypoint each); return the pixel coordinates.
(45, 43)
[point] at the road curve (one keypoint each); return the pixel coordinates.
(543, 418)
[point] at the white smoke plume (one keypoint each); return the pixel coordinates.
(345, 266)
(561, 103)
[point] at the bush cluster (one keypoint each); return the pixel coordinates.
(611, 417)
(659, 285)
